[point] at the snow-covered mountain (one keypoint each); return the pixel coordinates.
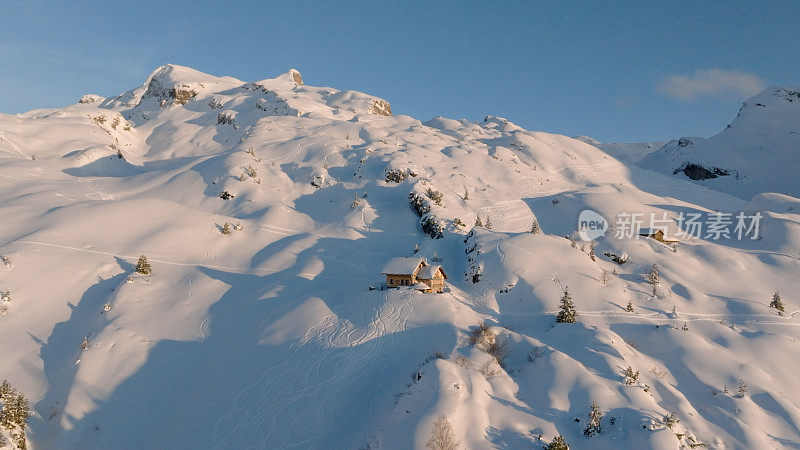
(629, 152)
(758, 152)
(267, 210)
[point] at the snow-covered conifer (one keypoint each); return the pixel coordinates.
(143, 266)
(595, 418)
(558, 443)
(777, 303)
(566, 312)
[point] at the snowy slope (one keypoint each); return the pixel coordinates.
(271, 337)
(758, 152)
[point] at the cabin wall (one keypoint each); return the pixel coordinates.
(399, 280)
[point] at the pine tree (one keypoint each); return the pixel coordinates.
(14, 413)
(466, 194)
(595, 417)
(653, 278)
(226, 229)
(558, 443)
(566, 312)
(143, 266)
(629, 308)
(572, 242)
(777, 303)
(478, 222)
(591, 252)
(488, 223)
(535, 229)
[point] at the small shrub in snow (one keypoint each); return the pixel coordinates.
(670, 420)
(572, 242)
(777, 303)
(398, 175)
(7, 261)
(466, 194)
(490, 368)
(85, 343)
(685, 327)
(566, 311)
(106, 307)
(499, 350)
(356, 203)
(238, 227)
(591, 252)
(442, 436)
(434, 195)
(478, 221)
(476, 277)
(458, 224)
(5, 296)
(742, 391)
(482, 335)
(595, 418)
(605, 276)
(619, 259)
(143, 266)
(226, 118)
(462, 361)
(558, 443)
(629, 377)
(535, 229)
(488, 223)
(226, 229)
(226, 195)
(251, 171)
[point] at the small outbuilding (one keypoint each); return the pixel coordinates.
(657, 234)
(414, 272)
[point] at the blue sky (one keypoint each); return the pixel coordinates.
(617, 71)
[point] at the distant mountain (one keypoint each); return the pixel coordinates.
(758, 152)
(631, 152)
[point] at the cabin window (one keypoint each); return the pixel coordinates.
(391, 280)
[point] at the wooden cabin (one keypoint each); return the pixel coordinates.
(657, 234)
(415, 273)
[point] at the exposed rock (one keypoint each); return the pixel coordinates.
(380, 107)
(91, 98)
(182, 95)
(298, 80)
(697, 172)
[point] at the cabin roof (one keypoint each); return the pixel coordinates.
(402, 265)
(428, 272)
(650, 231)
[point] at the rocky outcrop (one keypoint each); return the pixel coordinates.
(380, 107)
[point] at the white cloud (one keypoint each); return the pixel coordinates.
(710, 82)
